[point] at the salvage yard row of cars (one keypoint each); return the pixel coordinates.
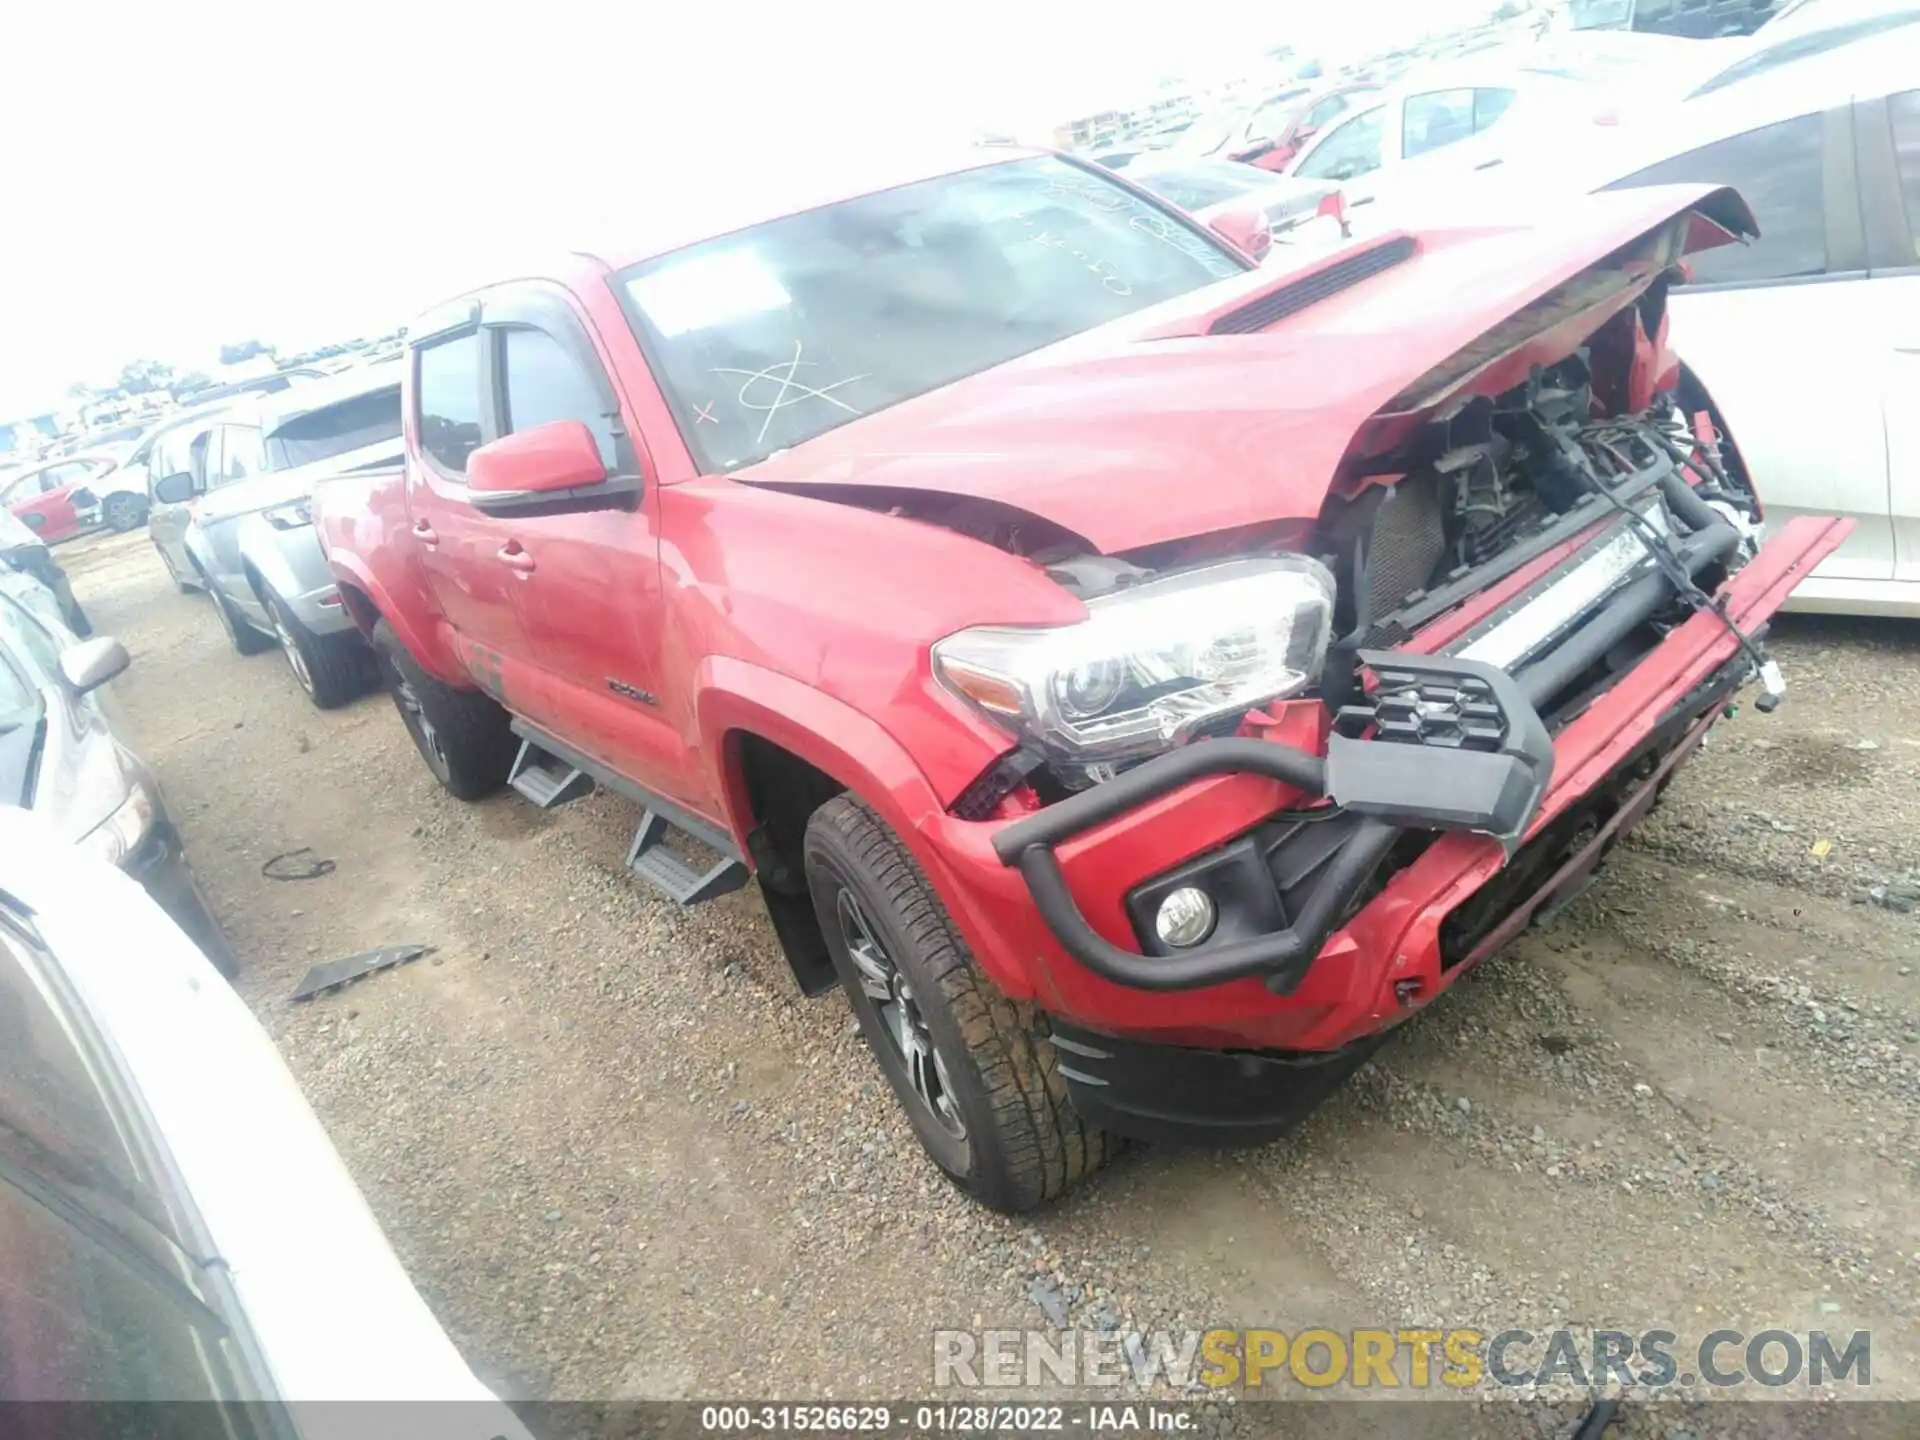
(1237, 655)
(1178, 571)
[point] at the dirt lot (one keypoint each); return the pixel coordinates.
(622, 1157)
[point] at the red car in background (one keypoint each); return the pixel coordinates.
(50, 497)
(1274, 133)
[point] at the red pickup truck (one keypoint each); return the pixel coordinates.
(1143, 680)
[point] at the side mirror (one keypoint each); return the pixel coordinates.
(547, 460)
(92, 663)
(1246, 228)
(175, 489)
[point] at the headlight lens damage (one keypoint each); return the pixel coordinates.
(120, 834)
(1152, 665)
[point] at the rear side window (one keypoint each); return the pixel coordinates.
(1778, 169)
(1904, 110)
(335, 429)
(545, 383)
(449, 401)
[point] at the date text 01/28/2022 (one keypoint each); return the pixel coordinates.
(942, 1419)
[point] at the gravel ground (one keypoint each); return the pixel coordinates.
(623, 1158)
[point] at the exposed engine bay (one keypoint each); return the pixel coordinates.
(1651, 511)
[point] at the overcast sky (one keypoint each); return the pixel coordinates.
(183, 175)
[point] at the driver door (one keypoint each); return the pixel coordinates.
(181, 450)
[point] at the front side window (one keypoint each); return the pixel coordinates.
(1904, 110)
(769, 337)
(21, 633)
(1777, 168)
(1348, 152)
(240, 452)
(330, 430)
(448, 392)
(1435, 120)
(545, 383)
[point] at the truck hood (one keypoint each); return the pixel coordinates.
(1174, 422)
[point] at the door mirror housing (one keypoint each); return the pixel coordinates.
(175, 489)
(92, 663)
(1246, 228)
(543, 467)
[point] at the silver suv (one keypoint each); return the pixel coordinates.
(231, 517)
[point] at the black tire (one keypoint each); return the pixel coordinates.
(991, 1065)
(244, 638)
(123, 512)
(333, 669)
(465, 737)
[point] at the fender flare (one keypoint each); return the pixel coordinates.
(428, 647)
(736, 696)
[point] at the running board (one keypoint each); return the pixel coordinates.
(655, 862)
(554, 773)
(546, 780)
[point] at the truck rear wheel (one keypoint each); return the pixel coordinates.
(466, 739)
(974, 1070)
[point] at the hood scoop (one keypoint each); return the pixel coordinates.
(1276, 305)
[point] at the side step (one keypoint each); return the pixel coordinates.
(545, 780)
(548, 772)
(654, 861)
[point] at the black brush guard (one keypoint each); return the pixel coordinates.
(1457, 745)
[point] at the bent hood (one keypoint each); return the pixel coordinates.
(1159, 427)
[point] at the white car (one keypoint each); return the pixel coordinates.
(1452, 122)
(176, 1224)
(1822, 139)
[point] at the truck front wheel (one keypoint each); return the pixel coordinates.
(974, 1070)
(466, 739)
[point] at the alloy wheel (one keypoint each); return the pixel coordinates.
(900, 1018)
(289, 647)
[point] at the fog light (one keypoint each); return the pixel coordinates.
(1185, 917)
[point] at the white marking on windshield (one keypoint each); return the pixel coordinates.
(787, 384)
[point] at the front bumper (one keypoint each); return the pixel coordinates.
(1050, 902)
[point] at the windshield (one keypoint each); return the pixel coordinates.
(335, 429)
(776, 334)
(1196, 187)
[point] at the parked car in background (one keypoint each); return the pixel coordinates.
(1233, 657)
(194, 444)
(177, 1226)
(1827, 150)
(55, 498)
(1278, 130)
(25, 553)
(1692, 19)
(239, 514)
(1301, 213)
(1449, 123)
(60, 758)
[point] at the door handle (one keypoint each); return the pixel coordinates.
(425, 534)
(1489, 164)
(514, 558)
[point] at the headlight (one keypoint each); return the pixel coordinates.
(120, 834)
(1150, 666)
(290, 517)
